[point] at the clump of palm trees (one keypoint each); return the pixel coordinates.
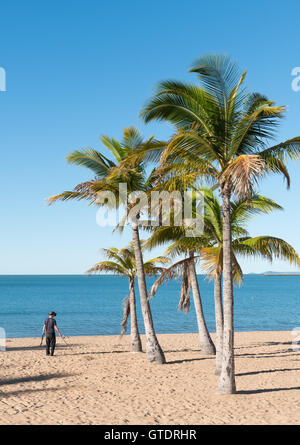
(122, 262)
(221, 145)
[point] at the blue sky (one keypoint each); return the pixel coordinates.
(79, 69)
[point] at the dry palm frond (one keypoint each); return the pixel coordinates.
(86, 187)
(212, 261)
(67, 196)
(212, 264)
(171, 272)
(126, 312)
(84, 190)
(244, 173)
(237, 273)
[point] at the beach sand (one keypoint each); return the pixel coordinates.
(97, 380)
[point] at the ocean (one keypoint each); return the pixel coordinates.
(92, 305)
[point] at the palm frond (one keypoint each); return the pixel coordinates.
(91, 159)
(219, 75)
(288, 150)
(189, 144)
(271, 247)
(107, 266)
(67, 196)
(174, 271)
(244, 208)
(114, 147)
(257, 124)
(181, 104)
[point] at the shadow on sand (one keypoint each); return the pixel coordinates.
(34, 378)
(269, 343)
(266, 371)
(30, 391)
(271, 354)
(37, 378)
(183, 350)
(96, 353)
(173, 362)
(260, 391)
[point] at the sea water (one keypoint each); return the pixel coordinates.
(92, 305)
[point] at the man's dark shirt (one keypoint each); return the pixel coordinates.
(50, 323)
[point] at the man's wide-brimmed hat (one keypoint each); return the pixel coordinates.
(52, 313)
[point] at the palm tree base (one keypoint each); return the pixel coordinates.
(155, 354)
(157, 361)
(224, 391)
(136, 346)
(226, 387)
(208, 349)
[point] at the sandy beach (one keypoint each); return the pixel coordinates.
(97, 380)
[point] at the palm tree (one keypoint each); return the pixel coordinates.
(186, 269)
(122, 262)
(209, 249)
(109, 175)
(224, 136)
(266, 247)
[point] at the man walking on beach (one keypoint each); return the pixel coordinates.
(50, 326)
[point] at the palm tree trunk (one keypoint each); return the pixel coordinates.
(219, 321)
(206, 343)
(227, 379)
(153, 350)
(136, 344)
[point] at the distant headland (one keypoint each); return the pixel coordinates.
(282, 274)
